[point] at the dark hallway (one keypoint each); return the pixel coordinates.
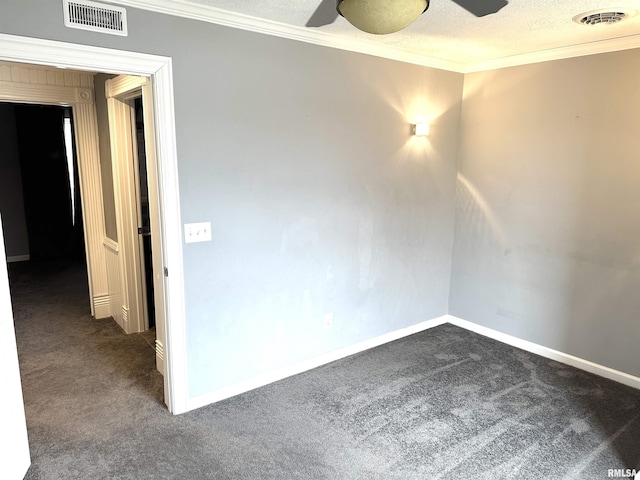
(49, 187)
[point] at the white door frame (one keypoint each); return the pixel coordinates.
(42, 85)
(159, 69)
(119, 91)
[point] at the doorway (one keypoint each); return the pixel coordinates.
(144, 214)
(64, 205)
(48, 181)
(136, 190)
(40, 197)
(94, 59)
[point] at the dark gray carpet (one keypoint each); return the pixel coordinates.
(445, 403)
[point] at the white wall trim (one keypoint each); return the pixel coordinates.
(125, 84)
(561, 357)
(125, 318)
(87, 58)
(18, 258)
(37, 84)
(175, 346)
(102, 306)
(159, 356)
(181, 8)
(226, 18)
(581, 50)
(262, 380)
(125, 187)
(267, 378)
(85, 123)
(112, 259)
(14, 48)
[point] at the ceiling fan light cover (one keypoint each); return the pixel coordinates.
(381, 16)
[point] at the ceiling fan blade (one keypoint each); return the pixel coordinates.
(480, 8)
(325, 14)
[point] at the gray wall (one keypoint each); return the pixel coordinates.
(111, 229)
(548, 211)
(11, 195)
(320, 201)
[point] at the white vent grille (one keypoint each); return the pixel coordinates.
(603, 17)
(606, 17)
(96, 17)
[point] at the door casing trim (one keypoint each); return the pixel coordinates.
(159, 69)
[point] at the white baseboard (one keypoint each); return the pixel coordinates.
(102, 306)
(160, 356)
(261, 380)
(18, 258)
(125, 319)
(565, 358)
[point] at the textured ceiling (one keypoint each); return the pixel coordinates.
(448, 32)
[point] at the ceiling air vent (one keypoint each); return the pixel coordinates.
(601, 17)
(96, 17)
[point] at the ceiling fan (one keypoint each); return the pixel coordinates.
(388, 16)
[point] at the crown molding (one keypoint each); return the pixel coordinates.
(580, 50)
(185, 9)
(205, 13)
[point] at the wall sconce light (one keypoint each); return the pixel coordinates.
(421, 129)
